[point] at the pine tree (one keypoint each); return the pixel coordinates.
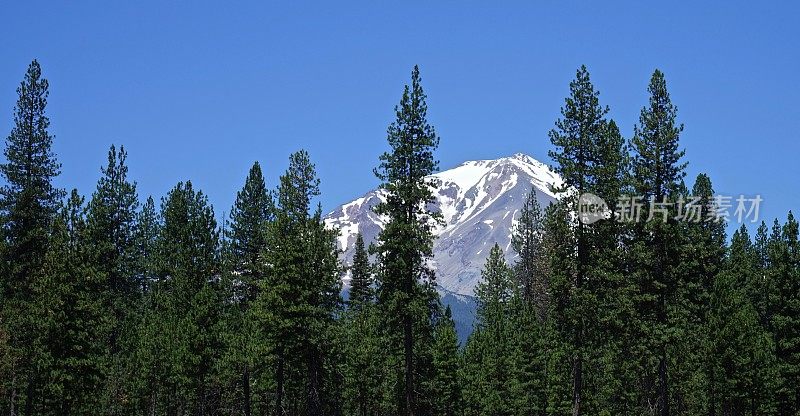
(489, 355)
(300, 294)
(742, 353)
(181, 344)
(760, 287)
(361, 344)
(148, 227)
(70, 331)
(494, 292)
(585, 156)
(29, 200)
(531, 268)
(785, 312)
(445, 389)
(609, 284)
(246, 242)
(528, 358)
(111, 227)
(406, 296)
(28, 205)
(112, 223)
(252, 210)
(702, 253)
(657, 172)
(559, 327)
(362, 370)
(361, 290)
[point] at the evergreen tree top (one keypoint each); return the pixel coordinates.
(188, 237)
(253, 208)
(298, 187)
(496, 287)
(578, 134)
(361, 275)
(657, 156)
(115, 201)
(412, 140)
(30, 162)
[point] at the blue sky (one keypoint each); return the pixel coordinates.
(197, 90)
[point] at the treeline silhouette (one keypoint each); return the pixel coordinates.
(114, 305)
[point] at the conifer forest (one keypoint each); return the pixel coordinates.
(118, 303)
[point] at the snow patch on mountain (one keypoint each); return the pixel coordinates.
(479, 201)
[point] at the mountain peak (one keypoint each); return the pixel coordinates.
(525, 158)
(479, 201)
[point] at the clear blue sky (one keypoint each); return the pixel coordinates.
(199, 91)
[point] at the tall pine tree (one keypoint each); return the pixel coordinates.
(72, 316)
(406, 293)
(742, 355)
(111, 227)
(587, 155)
(182, 345)
(299, 297)
(28, 205)
(362, 367)
(657, 173)
(361, 284)
(245, 245)
(785, 312)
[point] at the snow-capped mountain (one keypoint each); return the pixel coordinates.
(479, 201)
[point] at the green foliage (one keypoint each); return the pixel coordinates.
(490, 349)
(504, 370)
(657, 167)
(299, 297)
(589, 157)
(28, 208)
(531, 268)
(743, 373)
(362, 369)
(148, 227)
(243, 275)
(69, 318)
(28, 200)
(111, 220)
(654, 247)
(444, 388)
(114, 308)
(784, 258)
(361, 281)
(406, 296)
(111, 227)
(252, 210)
(177, 337)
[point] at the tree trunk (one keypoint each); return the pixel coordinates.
(663, 383)
(29, 396)
(314, 371)
(246, 389)
(13, 410)
(279, 386)
(577, 381)
(408, 346)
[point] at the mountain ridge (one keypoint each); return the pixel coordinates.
(479, 201)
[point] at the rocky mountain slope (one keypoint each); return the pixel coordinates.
(479, 201)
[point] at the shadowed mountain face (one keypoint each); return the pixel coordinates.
(479, 201)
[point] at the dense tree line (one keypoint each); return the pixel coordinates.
(110, 305)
